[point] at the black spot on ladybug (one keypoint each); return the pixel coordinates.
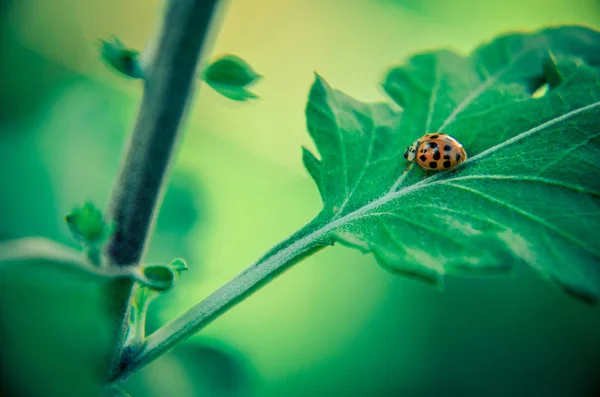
(433, 136)
(457, 156)
(437, 155)
(423, 151)
(423, 157)
(405, 155)
(447, 164)
(414, 150)
(447, 148)
(433, 164)
(432, 145)
(447, 157)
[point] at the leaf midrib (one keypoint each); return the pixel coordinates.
(432, 181)
(464, 104)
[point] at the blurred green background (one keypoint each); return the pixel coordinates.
(336, 324)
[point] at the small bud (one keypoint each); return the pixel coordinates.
(230, 76)
(87, 224)
(178, 265)
(121, 58)
(157, 277)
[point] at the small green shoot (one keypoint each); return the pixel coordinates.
(230, 76)
(124, 60)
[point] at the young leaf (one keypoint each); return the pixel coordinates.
(157, 277)
(87, 224)
(121, 58)
(530, 191)
(178, 265)
(230, 75)
(161, 277)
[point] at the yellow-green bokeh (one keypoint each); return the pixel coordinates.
(336, 323)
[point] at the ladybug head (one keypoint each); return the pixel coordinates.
(411, 152)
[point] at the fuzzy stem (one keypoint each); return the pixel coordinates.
(43, 249)
(143, 297)
(306, 241)
(169, 79)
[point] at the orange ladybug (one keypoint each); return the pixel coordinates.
(436, 152)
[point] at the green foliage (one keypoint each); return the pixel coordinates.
(529, 192)
(230, 76)
(88, 227)
(87, 224)
(202, 367)
(124, 60)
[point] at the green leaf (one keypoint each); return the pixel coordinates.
(231, 70)
(530, 191)
(230, 75)
(87, 224)
(234, 93)
(121, 58)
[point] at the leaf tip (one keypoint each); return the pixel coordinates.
(319, 80)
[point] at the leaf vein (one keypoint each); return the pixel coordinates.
(421, 226)
(527, 215)
(433, 98)
(478, 91)
(362, 172)
(518, 178)
(531, 131)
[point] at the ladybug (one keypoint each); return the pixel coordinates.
(434, 152)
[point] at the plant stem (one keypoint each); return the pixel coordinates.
(43, 249)
(305, 242)
(143, 298)
(40, 248)
(169, 78)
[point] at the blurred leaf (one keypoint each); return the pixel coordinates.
(121, 58)
(233, 93)
(183, 205)
(231, 70)
(230, 75)
(201, 368)
(219, 369)
(54, 332)
(87, 224)
(530, 191)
